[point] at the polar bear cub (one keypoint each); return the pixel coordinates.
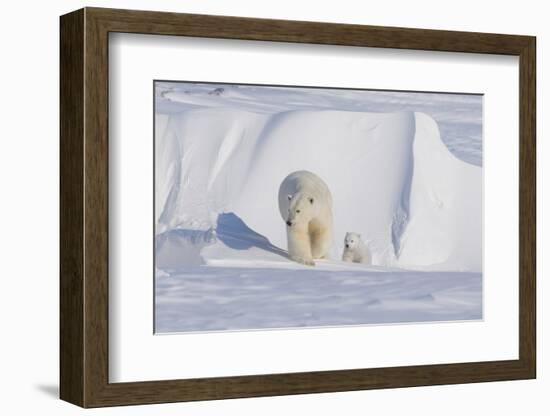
(355, 250)
(305, 204)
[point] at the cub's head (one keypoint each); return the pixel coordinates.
(301, 209)
(352, 240)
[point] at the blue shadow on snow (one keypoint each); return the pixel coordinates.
(234, 233)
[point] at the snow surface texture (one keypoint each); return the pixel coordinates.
(221, 154)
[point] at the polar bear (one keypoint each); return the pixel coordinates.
(305, 204)
(355, 250)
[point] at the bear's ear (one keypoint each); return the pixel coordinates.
(311, 200)
(289, 197)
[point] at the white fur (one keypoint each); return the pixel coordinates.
(355, 250)
(305, 201)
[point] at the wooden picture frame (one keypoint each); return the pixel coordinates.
(84, 218)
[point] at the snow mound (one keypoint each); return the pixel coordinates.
(392, 179)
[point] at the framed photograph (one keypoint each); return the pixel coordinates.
(254, 207)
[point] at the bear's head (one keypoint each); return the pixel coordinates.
(351, 240)
(301, 209)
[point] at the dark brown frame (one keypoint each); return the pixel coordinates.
(84, 207)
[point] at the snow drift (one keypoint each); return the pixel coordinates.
(392, 179)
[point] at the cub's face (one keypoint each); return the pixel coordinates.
(301, 209)
(351, 240)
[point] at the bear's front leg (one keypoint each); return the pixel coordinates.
(347, 256)
(299, 245)
(320, 239)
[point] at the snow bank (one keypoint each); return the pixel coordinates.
(392, 180)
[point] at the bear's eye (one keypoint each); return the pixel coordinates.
(352, 241)
(297, 211)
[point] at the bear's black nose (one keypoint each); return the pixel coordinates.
(347, 245)
(288, 223)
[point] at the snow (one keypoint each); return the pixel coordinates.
(220, 156)
(239, 297)
(459, 116)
